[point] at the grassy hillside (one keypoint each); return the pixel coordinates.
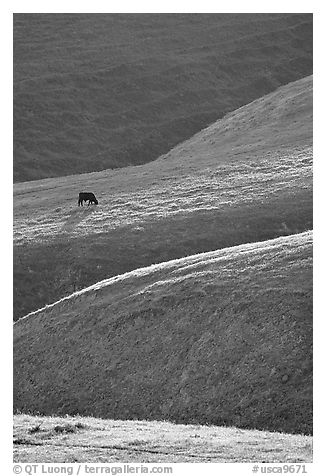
(223, 338)
(245, 178)
(69, 440)
(100, 91)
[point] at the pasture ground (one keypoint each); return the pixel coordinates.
(78, 439)
(134, 86)
(223, 338)
(246, 178)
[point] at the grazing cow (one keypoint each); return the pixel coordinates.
(84, 196)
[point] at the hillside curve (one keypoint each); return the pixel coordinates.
(223, 338)
(246, 178)
(100, 91)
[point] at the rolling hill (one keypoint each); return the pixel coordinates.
(99, 91)
(245, 178)
(223, 337)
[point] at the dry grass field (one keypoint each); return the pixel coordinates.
(93, 92)
(79, 439)
(172, 322)
(247, 177)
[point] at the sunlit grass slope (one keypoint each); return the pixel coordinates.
(93, 92)
(83, 439)
(248, 177)
(223, 338)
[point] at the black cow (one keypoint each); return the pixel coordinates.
(84, 196)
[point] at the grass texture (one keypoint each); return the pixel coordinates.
(83, 439)
(100, 91)
(223, 338)
(245, 178)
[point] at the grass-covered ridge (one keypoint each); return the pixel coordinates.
(40, 439)
(246, 178)
(223, 338)
(93, 92)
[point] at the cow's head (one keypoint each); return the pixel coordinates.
(96, 202)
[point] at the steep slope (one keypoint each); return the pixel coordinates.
(223, 338)
(93, 92)
(248, 177)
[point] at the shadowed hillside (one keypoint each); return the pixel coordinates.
(101, 91)
(223, 338)
(246, 178)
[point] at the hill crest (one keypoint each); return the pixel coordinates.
(214, 191)
(223, 338)
(179, 265)
(104, 91)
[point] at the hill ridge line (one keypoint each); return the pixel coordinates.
(182, 144)
(191, 259)
(213, 126)
(132, 54)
